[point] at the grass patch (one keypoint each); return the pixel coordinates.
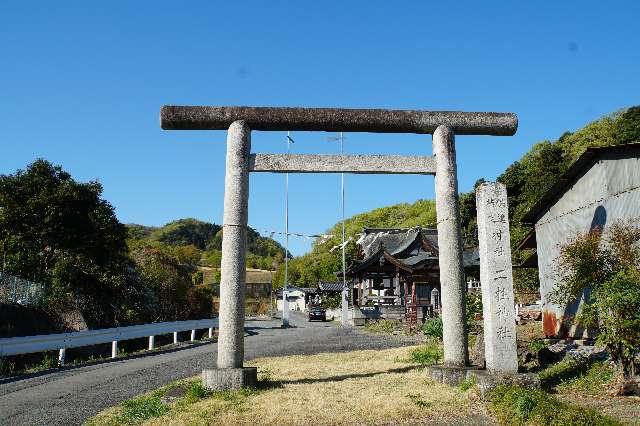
(146, 408)
(140, 409)
(593, 381)
(380, 326)
(47, 362)
(428, 354)
(513, 405)
(563, 371)
(328, 388)
(195, 393)
(417, 399)
(7, 368)
(578, 376)
(536, 344)
(467, 384)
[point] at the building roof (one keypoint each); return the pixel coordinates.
(397, 247)
(396, 241)
(471, 257)
(290, 289)
(330, 286)
(575, 172)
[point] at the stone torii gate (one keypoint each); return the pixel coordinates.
(240, 121)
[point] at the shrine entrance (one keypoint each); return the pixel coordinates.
(240, 161)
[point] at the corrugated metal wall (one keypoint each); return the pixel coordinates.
(608, 191)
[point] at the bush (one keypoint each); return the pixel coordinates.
(514, 405)
(615, 311)
(473, 307)
(429, 354)
(257, 306)
(332, 302)
(380, 326)
(433, 328)
(606, 263)
(537, 344)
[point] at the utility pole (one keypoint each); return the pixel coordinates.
(285, 301)
(345, 290)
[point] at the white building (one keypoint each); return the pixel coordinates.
(296, 298)
(600, 188)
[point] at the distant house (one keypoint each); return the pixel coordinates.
(298, 298)
(258, 281)
(601, 187)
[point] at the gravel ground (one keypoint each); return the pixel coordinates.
(70, 395)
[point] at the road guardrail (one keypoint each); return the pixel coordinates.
(63, 341)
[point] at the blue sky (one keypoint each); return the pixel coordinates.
(81, 84)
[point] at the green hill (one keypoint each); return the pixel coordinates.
(205, 240)
(526, 180)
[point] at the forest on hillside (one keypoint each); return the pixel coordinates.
(526, 180)
(203, 240)
(61, 234)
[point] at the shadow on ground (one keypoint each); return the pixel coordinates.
(351, 376)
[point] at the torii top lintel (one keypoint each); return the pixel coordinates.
(337, 120)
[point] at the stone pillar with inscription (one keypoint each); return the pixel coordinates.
(496, 278)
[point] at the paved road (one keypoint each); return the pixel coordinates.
(69, 396)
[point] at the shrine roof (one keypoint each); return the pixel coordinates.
(395, 241)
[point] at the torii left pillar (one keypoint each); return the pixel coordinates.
(452, 284)
(230, 373)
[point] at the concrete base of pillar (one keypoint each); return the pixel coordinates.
(486, 380)
(230, 379)
(449, 375)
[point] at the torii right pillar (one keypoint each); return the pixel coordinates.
(452, 282)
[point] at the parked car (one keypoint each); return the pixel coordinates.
(317, 313)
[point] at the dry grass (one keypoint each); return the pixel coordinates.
(529, 331)
(625, 409)
(594, 390)
(363, 387)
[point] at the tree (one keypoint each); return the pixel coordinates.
(184, 232)
(606, 263)
(187, 254)
(468, 222)
(169, 280)
(60, 232)
(627, 129)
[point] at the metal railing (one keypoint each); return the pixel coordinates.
(63, 341)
